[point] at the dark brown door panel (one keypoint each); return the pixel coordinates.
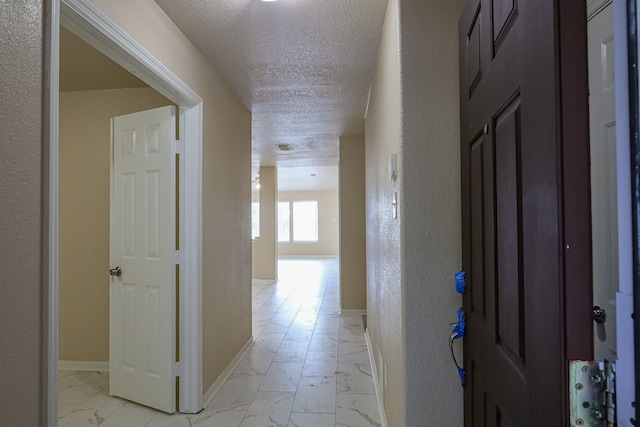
(513, 81)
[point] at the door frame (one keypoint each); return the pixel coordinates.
(626, 120)
(91, 25)
(625, 370)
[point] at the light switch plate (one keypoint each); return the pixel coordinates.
(394, 203)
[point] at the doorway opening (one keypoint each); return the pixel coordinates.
(93, 89)
(604, 208)
(90, 25)
(612, 72)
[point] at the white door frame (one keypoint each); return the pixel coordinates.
(86, 21)
(625, 382)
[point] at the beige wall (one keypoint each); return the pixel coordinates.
(430, 206)
(353, 289)
(383, 132)
(411, 261)
(255, 259)
(226, 181)
(227, 154)
(328, 227)
(83, 299)
(267, 245)
(23, 277)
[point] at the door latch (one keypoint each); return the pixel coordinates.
(115, 272)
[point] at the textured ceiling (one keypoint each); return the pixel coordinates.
(303, 67)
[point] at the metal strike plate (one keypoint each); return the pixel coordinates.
(590, 403)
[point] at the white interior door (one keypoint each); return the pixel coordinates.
(143, 296)
(603, 179)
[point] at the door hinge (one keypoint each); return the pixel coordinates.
(177, 257)
(592, 393)
(177, 369)
(179, 147)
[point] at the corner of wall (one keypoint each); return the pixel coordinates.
(385, 294)
(23, 254)
(430, 206)
(353, 290)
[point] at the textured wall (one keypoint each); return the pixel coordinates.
(22, 277)
(328, 233)
(411, 261)
(353, 289)
(83, 285)
(383, 133)
(255, 259)
(268, 246)
(431, 236)
(226, 180)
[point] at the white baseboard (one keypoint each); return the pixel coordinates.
(353, 311)
(217, 384)
(308, 256)
(376, 381)
(263, 282)
(79, 365)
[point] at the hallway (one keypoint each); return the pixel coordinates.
(308, 366)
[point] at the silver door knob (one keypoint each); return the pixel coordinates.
(599, 315)
(115, 272)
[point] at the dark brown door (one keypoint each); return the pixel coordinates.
(524, 149)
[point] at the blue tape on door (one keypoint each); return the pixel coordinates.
(460, 328)
(461, 282)
(463, 376)
(458, 331)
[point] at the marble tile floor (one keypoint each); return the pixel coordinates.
(308, 367)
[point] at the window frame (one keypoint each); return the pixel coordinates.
(257, 236)
(291, 222)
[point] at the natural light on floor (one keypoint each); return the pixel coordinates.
(308, 367)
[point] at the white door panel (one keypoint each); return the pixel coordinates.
(143, 314)
(603, 178)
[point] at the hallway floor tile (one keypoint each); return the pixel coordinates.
(308, 367)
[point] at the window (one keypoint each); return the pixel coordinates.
(284, 216)
(305, 221)
(255, 220)
(304, 217)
